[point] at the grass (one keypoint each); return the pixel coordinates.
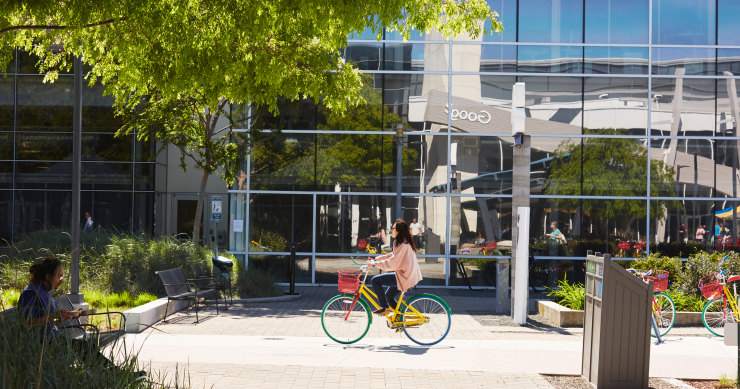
(726, 383)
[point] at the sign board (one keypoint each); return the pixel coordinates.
(216, 208)
(238, 226)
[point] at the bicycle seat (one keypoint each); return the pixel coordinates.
(733, 278)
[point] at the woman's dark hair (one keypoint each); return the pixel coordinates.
(404, 234)
(47, 267)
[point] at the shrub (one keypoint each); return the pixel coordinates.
(657, 262)
(701, 264)
(569, 296)
(253, 282)
(686, 303)
(268, 240)
(680, 249)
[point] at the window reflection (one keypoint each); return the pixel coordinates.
(484, 163)
(104, 147)
(419, 101)
(44, 146)
(615, 60)
(506, 10)
(483, 58)
(682, 227)
(6, 146)
(366, 56)
(562, 220)
(41, 210)
(623, 22)
(45, 107)
(618, 103)
(728, 62)
(728, 30)
(726, 164)
(43, 175)
(293, 115)
(728, 107)
(416, 56)
(365, 117)
(480, 226)
(691, 60)
(7, 102)
(353, 162)
(105, 210)
(6, 175)
(279, 267)
(285, 162)
(6, 208)
(550, 59)
(279, 220)
(688, 167)
(671, 18)
(556, 101)
(546, 21)
(98, 114)
(683, 106)
(144, 176)
(107, 176)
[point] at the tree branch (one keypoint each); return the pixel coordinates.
(41, 27)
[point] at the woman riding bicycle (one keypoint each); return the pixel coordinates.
(402, 262)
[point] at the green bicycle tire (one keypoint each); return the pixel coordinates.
(659, 298)
(443, 319)
(715, 323)
(359, 316)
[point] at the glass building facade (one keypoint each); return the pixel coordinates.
(632, 108)
(36, 158)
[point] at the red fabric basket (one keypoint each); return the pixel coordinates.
(490, 245)
(361, 243)
(660, 280)
(624, 246)
(710, 286)
(349, 280)
(640, 246)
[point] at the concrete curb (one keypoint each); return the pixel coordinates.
(566, 317)
(259, 299)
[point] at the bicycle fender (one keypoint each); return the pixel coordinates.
(431, 295)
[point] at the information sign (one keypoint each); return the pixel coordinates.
(216, 208)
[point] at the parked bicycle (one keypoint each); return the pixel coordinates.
(722, 305)
(544, 273)
(346, 318)
(663, 308)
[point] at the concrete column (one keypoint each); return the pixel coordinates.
(520, 192)
(75, 296)
(503, 302)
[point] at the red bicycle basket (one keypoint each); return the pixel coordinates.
(710, 286)
(361, 243)
(660, 280)
(349, 280)
(624, 246)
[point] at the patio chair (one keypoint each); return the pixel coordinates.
(73, 328)
(210, 280)
(179, 287)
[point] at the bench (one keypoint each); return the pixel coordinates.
(218, 281)
(179, 287)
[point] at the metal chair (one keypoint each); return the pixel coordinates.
(179, 287)
(73, 328)
(210, 280)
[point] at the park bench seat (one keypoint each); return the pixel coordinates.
(181, 288)
(209, 280)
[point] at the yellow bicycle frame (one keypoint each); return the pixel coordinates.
(416, 317)
(733, 302)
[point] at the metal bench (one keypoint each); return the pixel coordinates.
(73, 327)
(179, 287)
(219, 281)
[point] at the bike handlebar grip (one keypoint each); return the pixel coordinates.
(363, 268)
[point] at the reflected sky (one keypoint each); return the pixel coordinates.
(551, 21)
(684, 22)
(617, 22)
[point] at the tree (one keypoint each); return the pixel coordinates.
(610, 167)
(175, 67)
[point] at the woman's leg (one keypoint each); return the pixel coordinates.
(379, 282)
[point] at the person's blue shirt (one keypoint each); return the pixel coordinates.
(35, 301)
(716, 230)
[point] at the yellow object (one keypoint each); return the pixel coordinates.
(411, 316)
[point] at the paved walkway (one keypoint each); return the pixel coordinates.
(273, 345)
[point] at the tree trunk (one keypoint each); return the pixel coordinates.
(199, 209)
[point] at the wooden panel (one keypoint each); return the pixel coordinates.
(596, 349)
(587, 335)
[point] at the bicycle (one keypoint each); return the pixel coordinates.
(722, 304)
(663, 308)
(364, 246)
(346, 318)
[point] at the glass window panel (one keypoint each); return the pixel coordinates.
(479, 224)
(364, 117)
(27, 64)
(109, 211)
(546, 21)
(615, 60)
(366, 56)
(144, 212)
(615, 103)
(238, 208)
(41, 210)
(726, 163)
(345, 223)
(480, 270)
(103, 147)
(555, 103)
(484, 58)
(556, 166)
(106, 176)
(684, 22)
(6, 175)
(728, 109)
(293, 115)
(353, 162)
(418, 100)
(483, 98)
(506, 10)
(555, 228)
(550, 59)
(144, 150)
(6, 146)
(278, 220)
(366, 34)
(45, 107)
(11, 64)
(728, 30)
(728, 62)
(623, 22)
(7, 102)
(279, 267)
(685, 167)
(424, 164)
(327, 268)
(691, 61)
(606, 223)
(484, 163)
(674, 226)
(683, 106)
(44, 146)
(416, 56)
(43, 175)
(6, 208)
(98, 114)
(144, 176)
(288, 162)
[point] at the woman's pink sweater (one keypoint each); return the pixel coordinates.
(402, 261)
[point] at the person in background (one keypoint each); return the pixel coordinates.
(416, 233)
(506, 234)
(89, 222)
(682, 233)
(554, 238)
(700, 234)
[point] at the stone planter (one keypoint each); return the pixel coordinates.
(566, 317)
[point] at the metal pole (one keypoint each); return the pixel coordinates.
(75, 295)
(399, 170)
(292, 268)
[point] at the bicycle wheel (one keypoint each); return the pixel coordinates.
(343, 322)
(715, 315)
(664, 312)
(437, 314)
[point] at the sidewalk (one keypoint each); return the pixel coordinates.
(251, 342)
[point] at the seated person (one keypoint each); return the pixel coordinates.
(38, 307)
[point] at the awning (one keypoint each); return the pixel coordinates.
(727, 212)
